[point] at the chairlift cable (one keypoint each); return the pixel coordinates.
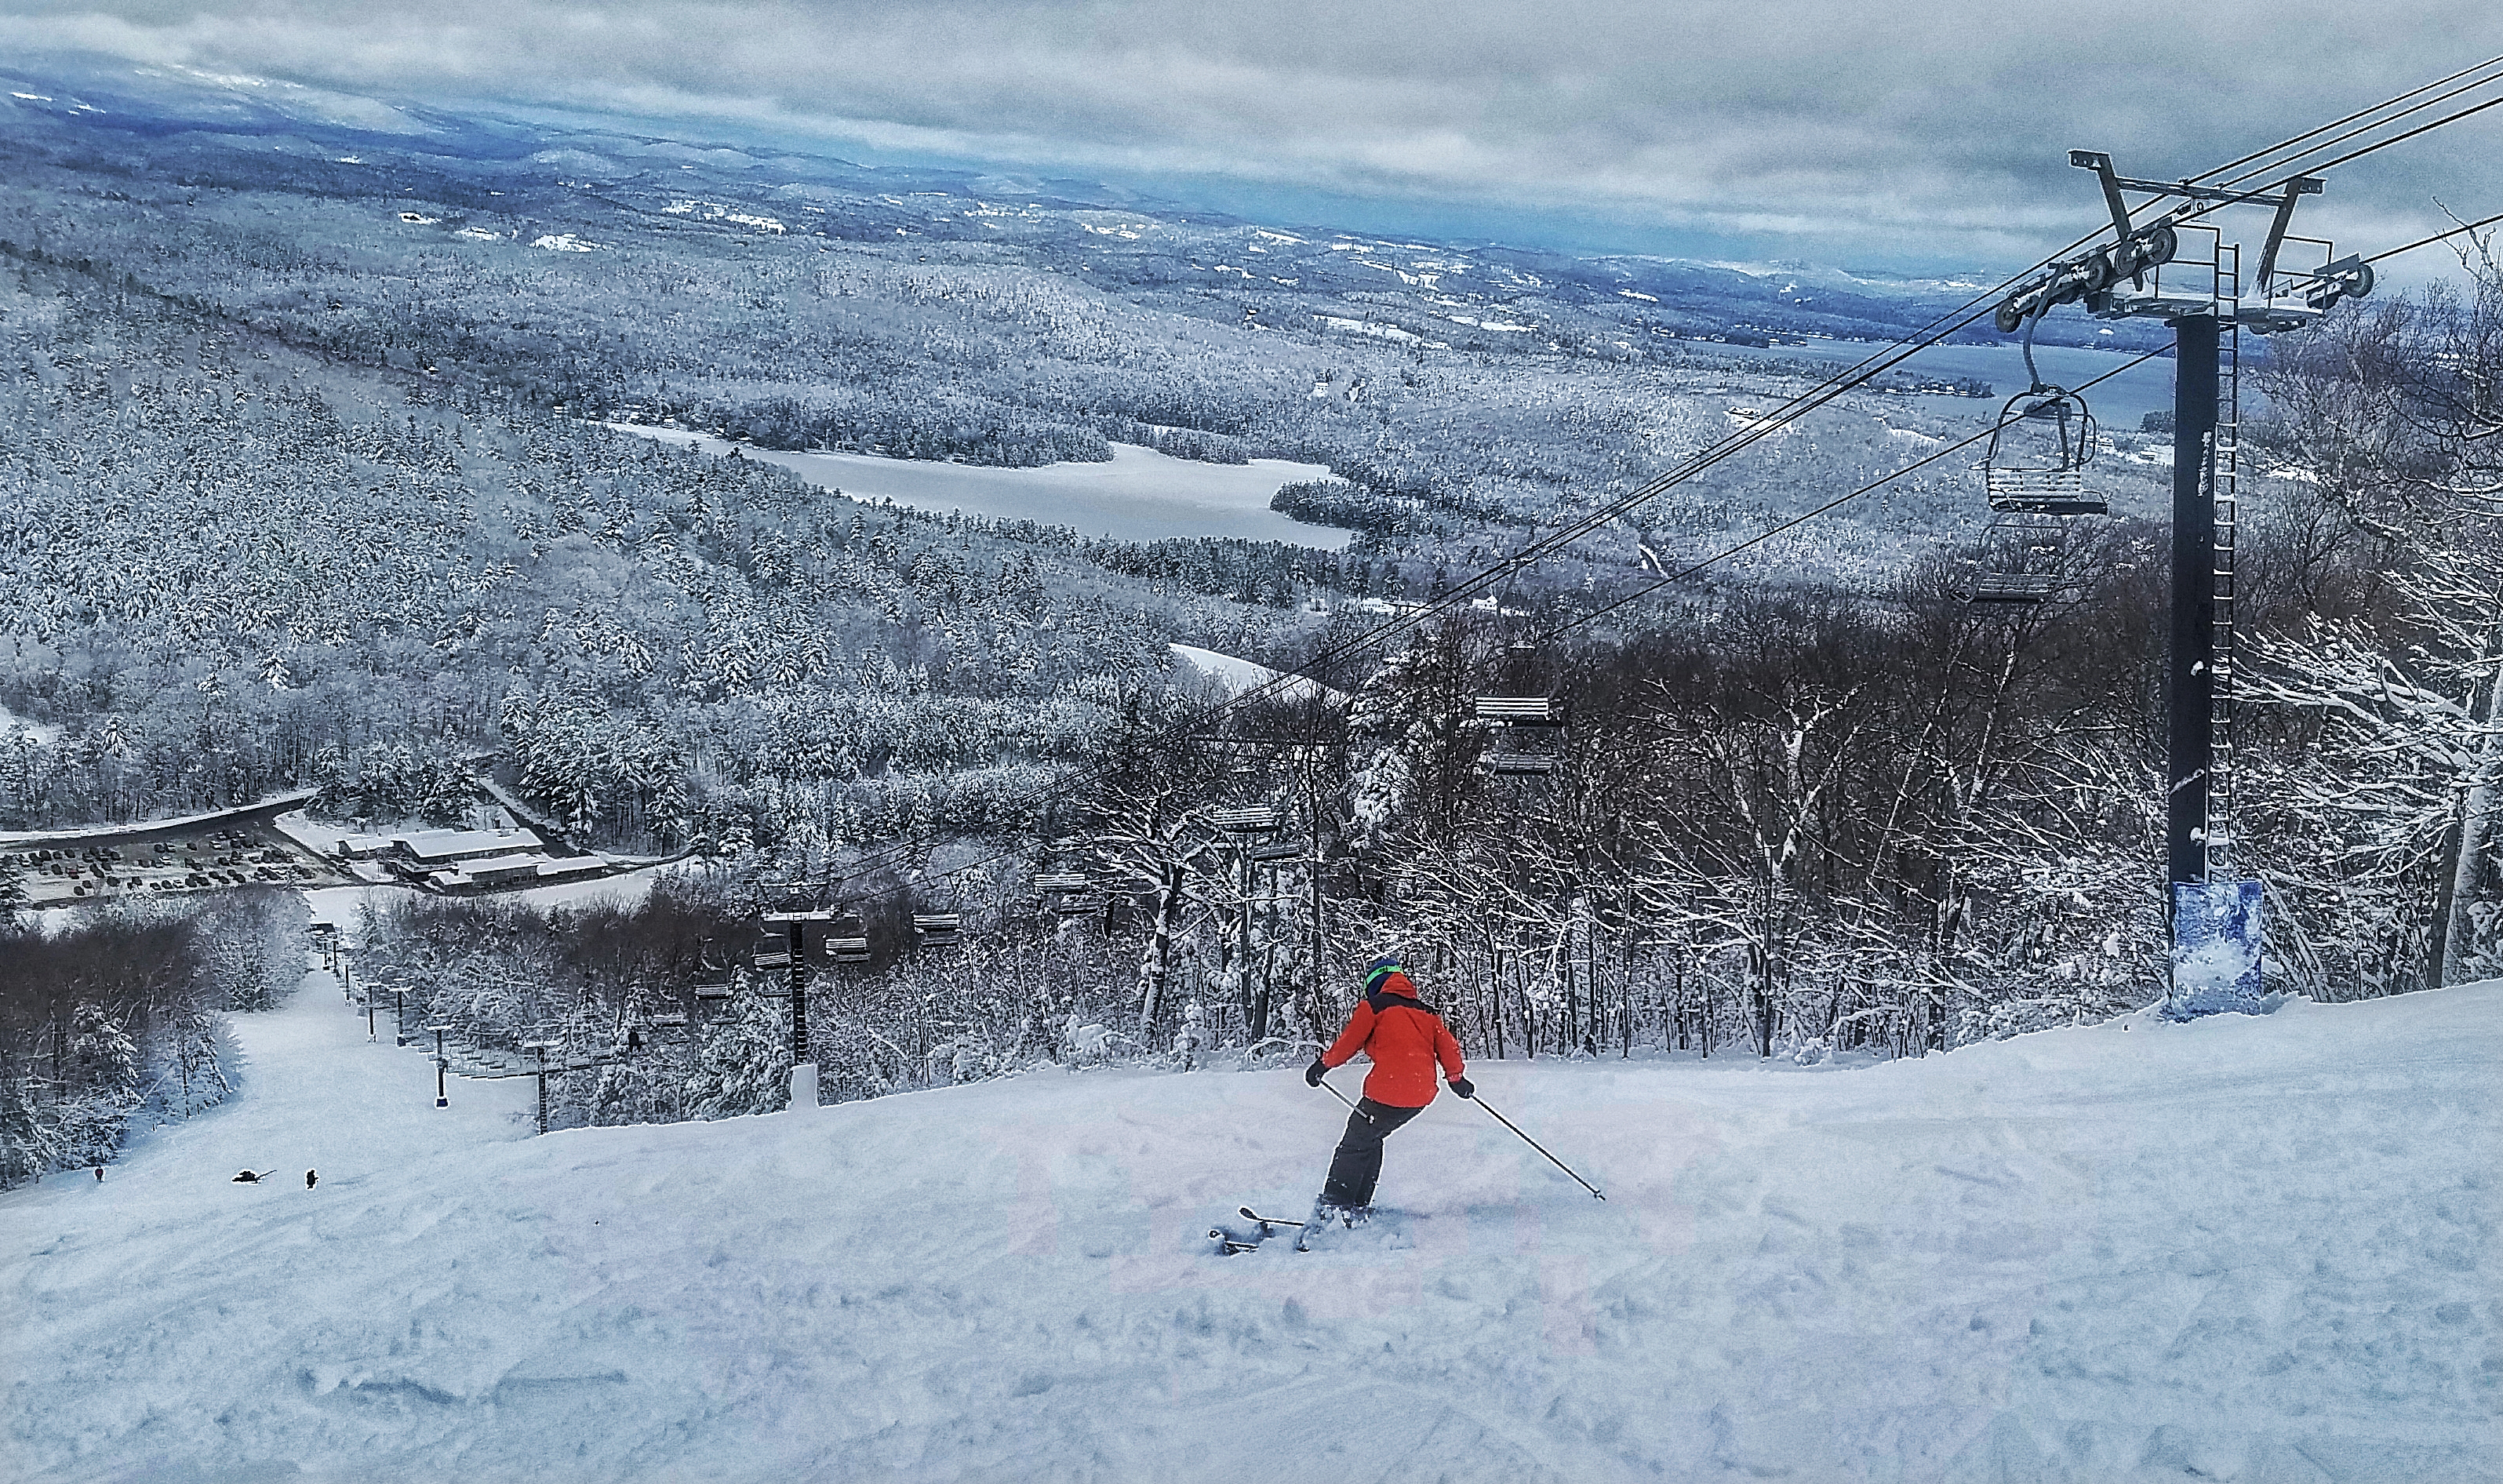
(2334, 124)
(2465, 226)
(1669, 578)
(1870, 367)
(2286, 162)
(2422, 129)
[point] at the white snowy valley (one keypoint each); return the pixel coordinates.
(2252, 1248)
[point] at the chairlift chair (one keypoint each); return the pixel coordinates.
(853, 949)
(2039, 449)
(2024, 560)
(773, 949)
(937, 930)
(1257, 820)
(1536, 765)
(1520, 710)
(1069, 891)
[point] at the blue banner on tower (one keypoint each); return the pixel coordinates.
(2216, 949)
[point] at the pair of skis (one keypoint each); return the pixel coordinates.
(1233, 1244)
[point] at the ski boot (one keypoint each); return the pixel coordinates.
(1330, 1217)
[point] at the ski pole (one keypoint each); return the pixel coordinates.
(1541, 1148)
(1325, 1086)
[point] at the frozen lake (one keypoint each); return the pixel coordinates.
(1140, 496)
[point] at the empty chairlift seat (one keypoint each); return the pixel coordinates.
(937, 930)
(1520, 710)
(1071, 892)
(1538, 765)
(2012, 587)
(2037, 455)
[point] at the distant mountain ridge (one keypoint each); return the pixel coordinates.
(179, 110)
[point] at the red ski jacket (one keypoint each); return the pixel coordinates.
(1403, 1038)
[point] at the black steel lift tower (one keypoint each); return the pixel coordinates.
(2156, 270)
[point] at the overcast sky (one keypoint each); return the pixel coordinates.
(1840, 131)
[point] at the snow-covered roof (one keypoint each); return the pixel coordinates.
(503, 868)
(456, 845)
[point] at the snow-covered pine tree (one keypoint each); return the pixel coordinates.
(742, 1062)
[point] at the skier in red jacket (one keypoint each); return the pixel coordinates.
(1405, 1040)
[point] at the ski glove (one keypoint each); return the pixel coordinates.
(1313, 1073)
(1464, 1086)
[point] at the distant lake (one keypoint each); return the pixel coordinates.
(2118, 404)
(1140, 496)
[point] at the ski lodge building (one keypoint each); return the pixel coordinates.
(470, 860)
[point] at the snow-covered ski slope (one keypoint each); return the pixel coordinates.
(2255, 1249)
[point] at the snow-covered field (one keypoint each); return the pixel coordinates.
(2257, 1248)
(1235, 676)
(1140, 496)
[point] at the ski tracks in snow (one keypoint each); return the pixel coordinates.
(2259, 1249)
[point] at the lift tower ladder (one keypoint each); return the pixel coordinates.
(2225, 469)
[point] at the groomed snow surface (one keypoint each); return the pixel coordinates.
(2250, 1248)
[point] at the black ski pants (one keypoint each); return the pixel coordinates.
(1357, 1165)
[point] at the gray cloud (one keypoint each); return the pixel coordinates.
(1823, 128)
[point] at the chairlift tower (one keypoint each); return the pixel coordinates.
(2142, 273)
(782, 946)
(1253, 832)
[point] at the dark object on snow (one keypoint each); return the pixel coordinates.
(1313, 1073)
(1357, 1167)
(1234, 1242)
(1464, 1086)
(309, 1179)
(246, 1177)
(99, 1174)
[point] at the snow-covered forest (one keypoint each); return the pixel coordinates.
(311, 492)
